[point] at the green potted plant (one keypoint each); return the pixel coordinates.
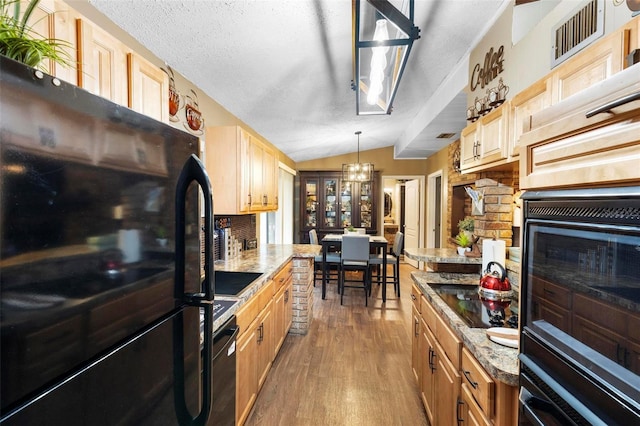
(464, 242)
(21, 43)
(466, 226)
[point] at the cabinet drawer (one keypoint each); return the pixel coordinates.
(416, 294)
(479, 383)
(429, 314)
(473, 414)
(250, 310)
(449, 341)
(283, 276)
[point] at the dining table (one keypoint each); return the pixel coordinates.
(377, 242)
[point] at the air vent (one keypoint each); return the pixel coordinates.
(445, 135)
(584, 25)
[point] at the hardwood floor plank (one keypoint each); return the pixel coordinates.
(352, 368)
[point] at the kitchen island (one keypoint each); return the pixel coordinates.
(270, 259)
(455, 363)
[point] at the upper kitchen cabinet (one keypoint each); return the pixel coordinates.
(591, 138)
(594, 64)
(102, 63)
(56, 20)
(533, 99)
(485, 142)
(329, 204)
(243, 171)
(148, 88)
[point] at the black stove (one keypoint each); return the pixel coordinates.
(466, 303)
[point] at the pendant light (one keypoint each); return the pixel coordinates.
(357, 172)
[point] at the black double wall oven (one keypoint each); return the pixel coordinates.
(580, 343)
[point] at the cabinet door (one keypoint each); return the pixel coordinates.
(428, 371)
(597, 63)
(102, 67)
(265, 343)
(279, 319)
(257, 192)
(447, 379)
(493, 135)
(346, 204)
(56, 20)
(288, 307)
(148, 88)
(366, 205)
(310, 187)
(526, 103)
(270, 179)
(246, 372)
(416, 355)
(330, 200)
(469, 155)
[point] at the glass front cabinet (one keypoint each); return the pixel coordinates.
(329, 204)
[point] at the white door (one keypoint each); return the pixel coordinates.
(412, 217)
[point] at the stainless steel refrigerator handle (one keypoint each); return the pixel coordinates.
(192, 170)
(613, 104)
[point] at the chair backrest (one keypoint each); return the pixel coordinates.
(397, 244)
(355, 247)
(313, 237)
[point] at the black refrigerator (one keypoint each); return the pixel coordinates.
(100, 261)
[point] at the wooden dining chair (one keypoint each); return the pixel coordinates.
(333, 262)
(393, 258)
(355, 258)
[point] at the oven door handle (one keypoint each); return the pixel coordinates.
(563, 393)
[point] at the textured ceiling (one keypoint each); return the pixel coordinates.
(285, 67)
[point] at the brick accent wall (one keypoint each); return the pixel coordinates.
(499, 187)
(302, 295)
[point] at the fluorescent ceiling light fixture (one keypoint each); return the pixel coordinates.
(382, 40)
(357, 172)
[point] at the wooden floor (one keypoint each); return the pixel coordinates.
(352, 368)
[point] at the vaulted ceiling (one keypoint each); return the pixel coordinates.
(285, 67)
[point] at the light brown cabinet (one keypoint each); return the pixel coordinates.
(485, 142)
(454, 388)
(596, 63)
(242, 169)
(102, 63)
(56, 20)
(266, 319)
(148, 88)
(572, 144)
(533, 99)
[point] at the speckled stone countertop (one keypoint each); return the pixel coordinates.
(499, 361)
(440, 255)
(268, 259)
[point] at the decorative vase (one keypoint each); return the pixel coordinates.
(462, 250)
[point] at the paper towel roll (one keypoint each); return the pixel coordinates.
(493, 251)
(129, 244)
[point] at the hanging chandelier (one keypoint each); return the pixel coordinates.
(357, 172)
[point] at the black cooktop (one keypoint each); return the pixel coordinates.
(465, 301)
(232, 283)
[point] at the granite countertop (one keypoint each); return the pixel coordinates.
(499, 361)
(268, 259)
(440, 255)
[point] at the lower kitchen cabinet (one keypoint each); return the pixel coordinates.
(454, 388)
(264, 322)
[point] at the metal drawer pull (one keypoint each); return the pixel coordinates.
(613, 104)
(467, 375)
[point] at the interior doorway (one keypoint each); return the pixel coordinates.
(403, 210)
(434, 210)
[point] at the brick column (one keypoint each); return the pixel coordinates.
(302, 295)
(497, 220)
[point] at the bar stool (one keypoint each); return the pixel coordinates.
(393, 258)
